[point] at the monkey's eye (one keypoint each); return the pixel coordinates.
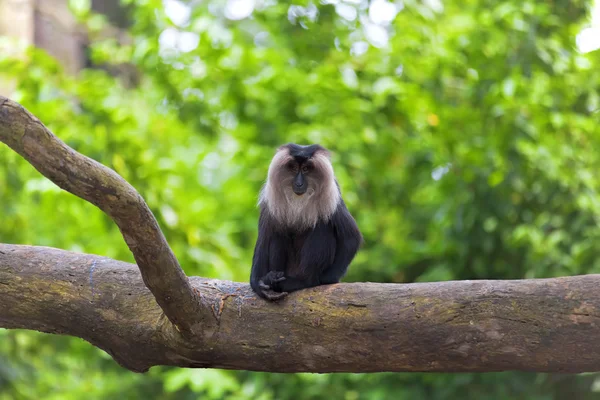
(293, 166)
(305, 169)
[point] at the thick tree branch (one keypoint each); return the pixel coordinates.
(104, 188)
(545, 325)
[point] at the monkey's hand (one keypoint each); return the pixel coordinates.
(266, 285)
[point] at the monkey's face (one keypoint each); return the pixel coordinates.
(301, 170)
(306, 176)
(301, 185)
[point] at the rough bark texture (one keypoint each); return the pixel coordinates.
(530, 325)
(104, 188)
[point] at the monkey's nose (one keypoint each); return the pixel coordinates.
(299, 187)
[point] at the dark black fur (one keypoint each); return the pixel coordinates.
(285, 260)
(302, 153)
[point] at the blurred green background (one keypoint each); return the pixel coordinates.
(464, 136)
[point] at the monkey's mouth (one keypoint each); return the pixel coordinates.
(299, 190)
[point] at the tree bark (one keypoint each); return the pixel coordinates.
(544, 325)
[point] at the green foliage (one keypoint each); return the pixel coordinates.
(463, 136)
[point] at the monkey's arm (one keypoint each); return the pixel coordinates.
(348, 240)
(260, 263)
(273, 284)
(263, 277)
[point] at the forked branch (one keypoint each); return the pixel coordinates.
(104, 188)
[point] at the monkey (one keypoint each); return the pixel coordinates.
(306, 235)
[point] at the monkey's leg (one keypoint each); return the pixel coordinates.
(317, 253)
(331, 275)
(348, 240)
(335, 272)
